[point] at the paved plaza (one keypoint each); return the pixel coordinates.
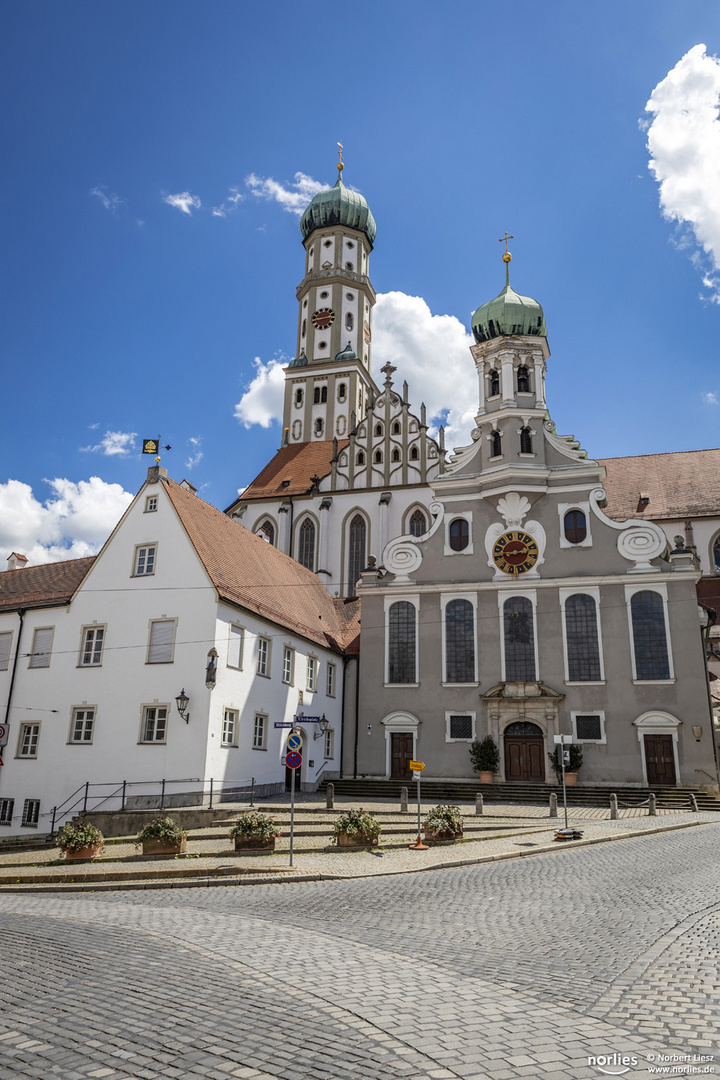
(587, 961)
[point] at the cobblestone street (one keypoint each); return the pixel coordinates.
(526, 967)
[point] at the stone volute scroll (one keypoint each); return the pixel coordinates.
(403, 555)
(639, 541)
(514, 508)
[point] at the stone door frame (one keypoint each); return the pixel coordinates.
(658, 723)
(400, 723)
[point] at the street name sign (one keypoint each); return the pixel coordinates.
(417, 766)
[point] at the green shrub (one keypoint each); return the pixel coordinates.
(485, 755)
(162, 828)
(359, 824)
(444, 820)
(254, 825)
(74, 836)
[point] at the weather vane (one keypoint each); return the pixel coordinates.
(341, 166)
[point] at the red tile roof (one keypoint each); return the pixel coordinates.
(678, 485)
(49, 585)
(297, 465)
(249, 572)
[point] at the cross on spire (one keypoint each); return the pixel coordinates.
(388, 370)
(506, 256)
(506, 238)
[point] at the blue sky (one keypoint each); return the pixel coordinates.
(149, 266)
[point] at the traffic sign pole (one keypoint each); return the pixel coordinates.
(292, 814)
(293, 760)
(417, 767)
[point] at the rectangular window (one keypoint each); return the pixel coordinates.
(401, 642)
(235, 646)
(263, 663)
(28, 741)
(41, 647)
(6, 811)
(31, 813)
(154, 727)
(230, 727)
(259, 731)
(328, 745)
(330, 687)
(145, 560)
(288, 664)
(83, 722)
(312, 670)
(151, 504)
(5, 645)
(460, 727)
(162, 641)
(589, 727)
(91, 647)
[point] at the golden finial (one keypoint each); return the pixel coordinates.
(340, 155)
(507, 257)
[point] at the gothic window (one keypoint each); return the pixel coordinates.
(523, 380)
(495, 444)
(459, 534)
(378, 429)
(356, 551)
(526, 441)
(396, 455)
(378, 457)
(414, 453)
(396, 428)
(342, 391)
(349, 321)
(459, 642)
(583, 648)
(575, 526)
(519, 635)
(494, 383)
(316, 395)
(418, 524)
(306, 545)
(716, 554)
(649, 637)
(360, 459)
(401, 642)
(298, 397)
(266, 532)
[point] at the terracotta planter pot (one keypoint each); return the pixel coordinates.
(441, 837)
(90, 852)
(486, 777)
(162, 847)
(249, 843)
(571, 779)
(344, 840)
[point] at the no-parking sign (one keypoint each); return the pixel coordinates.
(4, 734)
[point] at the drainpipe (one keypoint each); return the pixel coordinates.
(292, 514)
(342, 714)
(357, 716)
(21, 613)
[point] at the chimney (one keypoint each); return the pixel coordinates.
(17, 561)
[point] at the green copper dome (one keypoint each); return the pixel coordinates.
(508, 313)
(338, 206)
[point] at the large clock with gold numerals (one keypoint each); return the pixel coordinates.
(323, 317)
(515, 552)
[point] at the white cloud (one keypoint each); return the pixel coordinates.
(711, 398)
(74, 521)
(293, 197)
(183, 201)
(196, 454)
(110, 200)
(684, 145)
(229, 205)
(113, 443)
(430, 351)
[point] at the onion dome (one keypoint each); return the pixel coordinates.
(338, 206)
(300, 360)
(348, 353)
(508, 313)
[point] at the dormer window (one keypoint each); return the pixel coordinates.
(495, 444)
(494, 383)
(526, 441)
(523, 380)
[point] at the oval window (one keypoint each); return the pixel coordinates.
(459, 534)
(575, 526)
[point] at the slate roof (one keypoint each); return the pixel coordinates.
(49, 585)
(683, 484)
(296, 464)
(251, 573)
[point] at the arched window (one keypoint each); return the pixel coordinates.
(519, 635)
(526, 441)
(401, 642)
(495, 444)
(316, 396)
(581, 635)
(523, 380)
(298, 397)
(459, 534)
(318, 427)
(349, 321)
(396, 455)
(266, 532)
(342, 390)
(378, 457)
(649, 637)
(414, 453)
(396, 428)
(356, 551)
(304, 327)
(418, 524)
(494, 383)
(716, 554)
(323, 395)
(378, 429)
(575, 526)
(360, 459)
(459, 642)
(306, 544)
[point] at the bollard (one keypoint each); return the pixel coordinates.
(613, 808)
(693, 803)
(330, 796)
(403, 800)
(553, 804)
(651, 805)
(478, 804)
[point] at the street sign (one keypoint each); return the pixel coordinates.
(283, 723)
(308, 719)
(4, 734)
(293, 760)
(294, 741)
(417, 766)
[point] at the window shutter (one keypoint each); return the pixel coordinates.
(5, 640)
(234, 646)
(42, 645)
(161, 642)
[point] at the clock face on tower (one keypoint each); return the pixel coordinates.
(322, 318)
(515, 552)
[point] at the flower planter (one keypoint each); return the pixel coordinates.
(355, 840)
(486, 777)
(441, 837)
(90, 852)
(253, 843)
(571, 779)
(163, 847)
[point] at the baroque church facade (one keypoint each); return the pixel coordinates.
(499, 596)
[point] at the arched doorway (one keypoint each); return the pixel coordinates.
(524, 753)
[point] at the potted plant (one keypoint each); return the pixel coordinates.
(79, 840)
(485, 758)
(571, 770)
(356, 828)
(254, 830)
(162, 836)
(443, 825)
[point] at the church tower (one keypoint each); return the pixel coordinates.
(328, 385)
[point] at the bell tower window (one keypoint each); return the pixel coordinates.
(495, 444)
(318, 427)
(298, 397)
(316, 395)
(349, 321)
(494, 383)
(523, 380)
(342, 390)
(526, 441)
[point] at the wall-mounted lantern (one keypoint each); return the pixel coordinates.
(182, 701)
